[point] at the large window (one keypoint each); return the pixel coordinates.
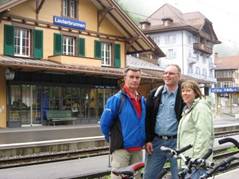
(68, 45)
(69, 8)
(29, 104)
(106, 54)
(22, 42)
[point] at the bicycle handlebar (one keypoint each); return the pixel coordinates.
(184, 149)
(222, 165)
(175, 152)
(209, 152)
(229, 139)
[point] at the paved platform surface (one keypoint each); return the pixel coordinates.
(73, 168)
(42, 133)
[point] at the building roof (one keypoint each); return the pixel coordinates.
(227, 63)
(194, 22)
(149, 70)
(22, 64)
(137, 40)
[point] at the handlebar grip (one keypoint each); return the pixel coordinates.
(166, 149)
(229, 139)
(184, 149)
(209, 152)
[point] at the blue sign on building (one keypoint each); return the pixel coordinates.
(225, 90)
(70, 23)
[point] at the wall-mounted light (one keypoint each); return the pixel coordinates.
(9, 74)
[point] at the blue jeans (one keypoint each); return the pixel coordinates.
(154, 163)
(196, 174)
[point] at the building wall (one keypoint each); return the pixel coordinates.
(3, 102)
(182, 44)
(87, 12)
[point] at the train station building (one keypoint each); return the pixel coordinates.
(63, 55)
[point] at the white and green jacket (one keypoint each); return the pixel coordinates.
(196, 128)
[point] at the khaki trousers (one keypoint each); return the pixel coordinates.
(123, 158)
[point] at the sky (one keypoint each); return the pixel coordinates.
(223, 15)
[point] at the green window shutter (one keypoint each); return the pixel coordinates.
(81, 47)
(57, 44)
(8, 40)
(38, 44)
(97, 49)
(117, 60)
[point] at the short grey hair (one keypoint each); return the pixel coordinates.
(177, 66)
(129, 68)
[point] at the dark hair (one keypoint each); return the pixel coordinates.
(192, 85)
(131, 69)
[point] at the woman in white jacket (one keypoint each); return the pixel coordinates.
(196, 124)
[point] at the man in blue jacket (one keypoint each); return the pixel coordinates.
(123, 122)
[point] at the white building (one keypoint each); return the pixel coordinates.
(187, 39)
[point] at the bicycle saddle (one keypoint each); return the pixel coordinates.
(129, 170)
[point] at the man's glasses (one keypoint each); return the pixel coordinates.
(169, 73)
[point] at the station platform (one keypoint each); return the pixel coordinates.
(46, 133)
(73, 168)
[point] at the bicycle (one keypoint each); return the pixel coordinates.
(131, 171)
(189, 162)
(223, 165)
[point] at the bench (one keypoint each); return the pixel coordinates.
(54, 116)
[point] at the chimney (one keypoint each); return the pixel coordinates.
(167, 21)
(145, 25)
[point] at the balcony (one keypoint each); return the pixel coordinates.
(202, 48)
(72, 60)
(192, 60)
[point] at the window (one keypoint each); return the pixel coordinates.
(197, 71)
(69, 8)
(22, 42)
(109, 53)
(190, 70)
(170, 39)
(156, 39)
(204, 72)
(68, 45)
(171, 54)
(106, 54)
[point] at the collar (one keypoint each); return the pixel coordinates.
(165, 90)
(187, 109)
(127, 91)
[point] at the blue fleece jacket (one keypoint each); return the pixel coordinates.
(133, 128)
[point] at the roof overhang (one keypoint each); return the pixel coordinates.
(32, 65)
(137, 40)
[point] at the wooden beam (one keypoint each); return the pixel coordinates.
(101, 16)
(39, 4)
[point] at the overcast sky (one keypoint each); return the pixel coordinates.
(223, 14)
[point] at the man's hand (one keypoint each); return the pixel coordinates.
(149, 148)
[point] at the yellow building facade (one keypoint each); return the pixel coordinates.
(58, 55)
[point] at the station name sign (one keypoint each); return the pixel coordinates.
(225, 90)
(70, 23)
